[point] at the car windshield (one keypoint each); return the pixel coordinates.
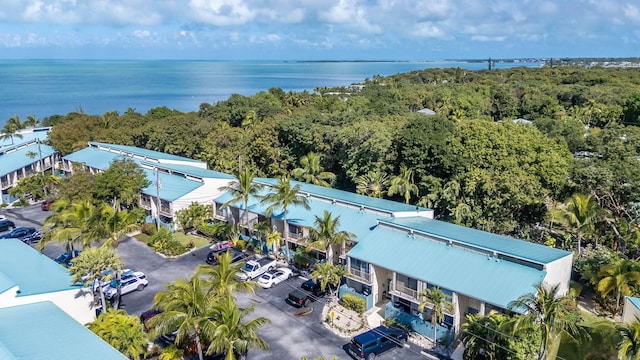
(265, 277)
(247, 267)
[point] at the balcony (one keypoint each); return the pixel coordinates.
(166, 210)
(404, 292)
(360, 275)
(145, 204)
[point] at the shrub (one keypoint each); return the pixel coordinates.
(301, 258)
(148, 228)
(241, 244)
(209, 230)
(354, 303)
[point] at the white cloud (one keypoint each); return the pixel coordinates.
(141, 34)
(221, 12)
(632, 13)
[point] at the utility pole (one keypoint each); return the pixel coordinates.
(41, 164)
(157, 200)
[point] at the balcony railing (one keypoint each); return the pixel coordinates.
(405, 292)
(360, 275)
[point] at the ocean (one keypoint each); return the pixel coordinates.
(49, 87)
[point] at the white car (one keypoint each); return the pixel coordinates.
(130, 281)
(274, 277)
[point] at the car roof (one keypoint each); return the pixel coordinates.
(372, 334)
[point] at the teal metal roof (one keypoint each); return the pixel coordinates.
(33, 272)
(151, 154)
(351, 219)
(37, 133)
(172, 187)
(5, 283)
(346, 196)
(194, 171)
(501, 244)
(12, 161)
(41, 331)
(494, 281)
(93, 157)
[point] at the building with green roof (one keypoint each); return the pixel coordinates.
(176, 181)
(399, 251)
(42, 331)
(28, 276)
(23, 155)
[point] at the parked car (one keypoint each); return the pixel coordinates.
(19, 233)
(7, 224)
(46, 205)
(213, 258)
(314, 287)
(376, 341)
(129, 282)
(65, 258)
(35, 237)
(274, 277)
(146, 316)
(299, 298)
(255, 268)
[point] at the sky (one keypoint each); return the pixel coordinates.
(318, 29)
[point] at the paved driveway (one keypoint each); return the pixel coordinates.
(289, 335)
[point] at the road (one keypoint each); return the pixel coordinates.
(289, 336)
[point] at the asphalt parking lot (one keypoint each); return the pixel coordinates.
(290, 336)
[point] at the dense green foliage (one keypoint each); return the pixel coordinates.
(469, 162)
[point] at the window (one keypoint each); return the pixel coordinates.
(407, 282)
(359, 265)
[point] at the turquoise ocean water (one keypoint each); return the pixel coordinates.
(48, 87)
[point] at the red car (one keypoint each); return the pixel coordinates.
(46, 205)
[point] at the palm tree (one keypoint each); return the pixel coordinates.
(551, 313)
(93, 267)
(491, 337)
(123, 332)
(11, 128)
(75, 223)
(310, 171)
(403, 184)
(232, 334)
(622, 277)
(282, 196)
(374, 183)
(629, 346)
(116, 224)
(330, 275)
(31, 121)
(579, 215)
(186, 310)
(482, 339)
(438, 302)
(242, 190)
(261, 228)
(326, 234)
(221, 280)
(273, 239)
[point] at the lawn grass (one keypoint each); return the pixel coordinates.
(601, 344)
(187, 239)
(182, 238)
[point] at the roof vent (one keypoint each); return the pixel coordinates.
(333, 201)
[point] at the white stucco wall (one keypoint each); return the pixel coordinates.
(77, 303)
(630, 312)
(559, 272)
(205, 194)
